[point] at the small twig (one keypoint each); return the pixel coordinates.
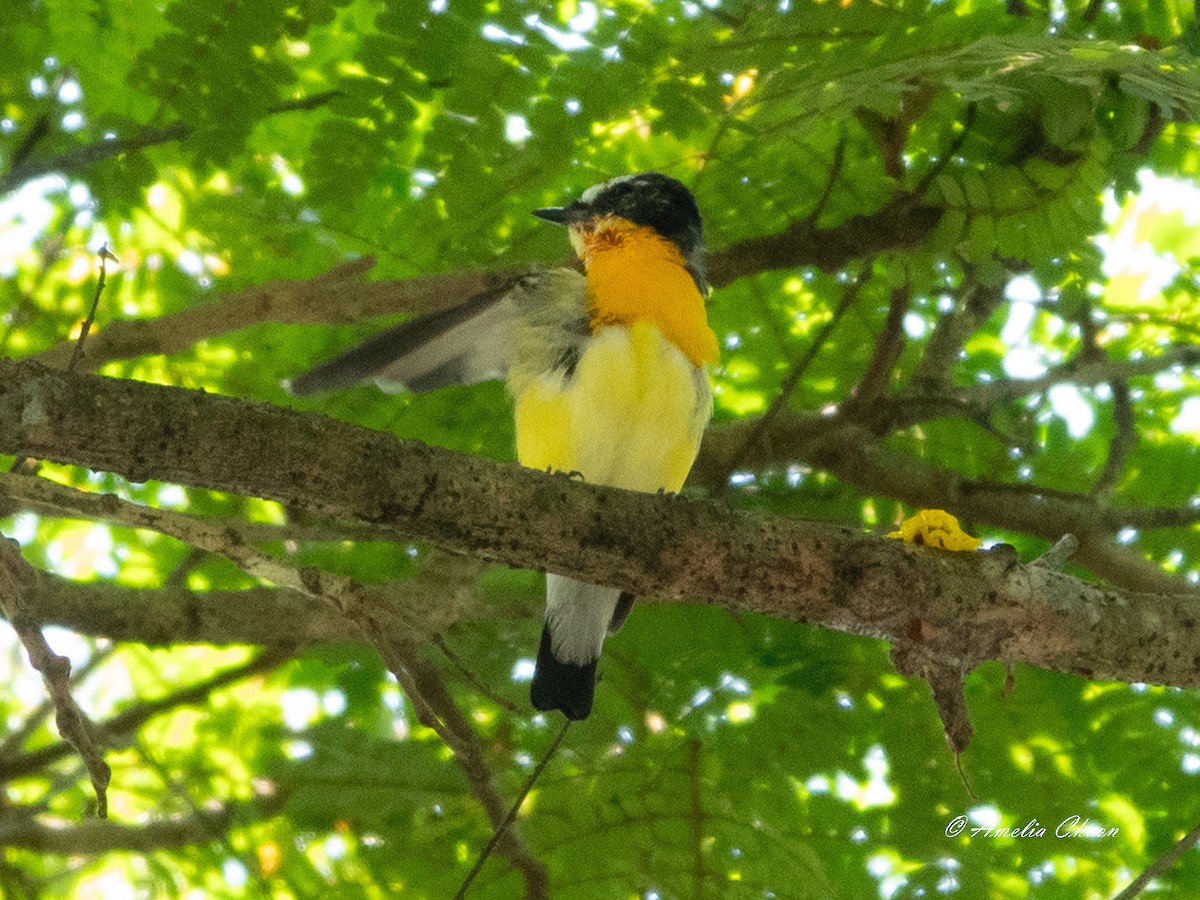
(888, 347)
(16, 738)
(16, 576)
(129, 720)
(835, 171)
(41, 128)
(88, 154)
(1123, 441)
(105, 256)
(454, 658)
(1160, 865)
(1056, 557)
(948, 157)
(788, 386)
(1085, 371)
(513, 810)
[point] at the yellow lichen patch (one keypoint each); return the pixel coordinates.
(936, 528)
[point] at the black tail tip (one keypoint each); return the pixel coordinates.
(563, 686)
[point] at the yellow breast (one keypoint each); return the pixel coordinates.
(634, 274)
(630, 415)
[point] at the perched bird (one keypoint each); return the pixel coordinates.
(606, 369)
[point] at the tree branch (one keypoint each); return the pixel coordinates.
(343, 295)
(904, 222)
(340, 295)
(94, 837)
(72, 723)
(1085, 372)
(970, 606)
(857, 456)
(129, 720)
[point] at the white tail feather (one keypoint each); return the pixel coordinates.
(578, 615)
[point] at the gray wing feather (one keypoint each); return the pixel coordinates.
(463, 344)
(533, 324)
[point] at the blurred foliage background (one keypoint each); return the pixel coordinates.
(957, 237)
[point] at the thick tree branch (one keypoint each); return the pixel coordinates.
(968, 607)
(857, 456)
(905, 222)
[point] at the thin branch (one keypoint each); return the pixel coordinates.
(1160, 865)
(789, 384)
(17, 765)
(41, 128)
(1084, 373)
(511, 816)
(1123, 441)
(835, 172)
(88, 321)
(340, 295)
(888, 347)
(475, 681)
(436, 709)
(1058, 554)
(947, 158)
(16, 738)
(974, 306)
(49, 498)
(73, 725)
(903, 223)
(95, 837)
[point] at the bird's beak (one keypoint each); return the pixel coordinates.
(563, 215)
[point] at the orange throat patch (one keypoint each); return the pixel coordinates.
(635, 274)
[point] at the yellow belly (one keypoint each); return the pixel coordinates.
(631, 415)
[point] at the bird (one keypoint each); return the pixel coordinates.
(608, 371)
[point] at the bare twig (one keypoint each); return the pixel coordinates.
(1056, 557)
(93, 837)
(975, 303)
(15, 739)
(511, 815)
(72, 723)
(436, 709)
(129, 720)
(888, 346)
(789, 384)
(105, 256)
(479, 685)
(87, 154)
(835, 171)
(1123, 441)
(1086, 372)
(1160, 865)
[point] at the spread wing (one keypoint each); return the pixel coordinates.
(460, 345)
(532, 324)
